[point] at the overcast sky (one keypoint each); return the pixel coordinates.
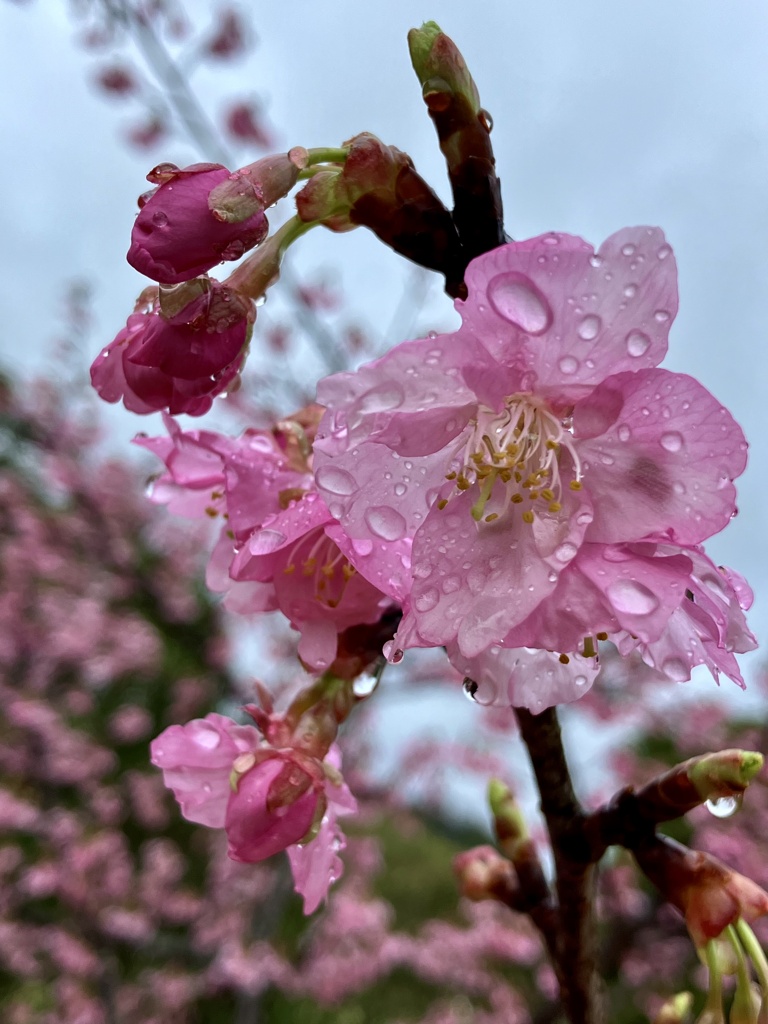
(606, 114)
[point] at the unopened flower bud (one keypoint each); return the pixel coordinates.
(508, 821)
(675, 1010)
(723, 774)
(483, 873)
(255, 188)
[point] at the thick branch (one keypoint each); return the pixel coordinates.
(574, 864)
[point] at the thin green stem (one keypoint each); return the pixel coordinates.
(754, 951)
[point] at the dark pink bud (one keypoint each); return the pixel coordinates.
(230, 39)
(181, 359)
(253, 829)
(117, 80)
(176, 236)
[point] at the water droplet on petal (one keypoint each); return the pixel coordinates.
(632, 597)
(724, 806)
(382, 398)
(266, 541)
(630, 291)
(663, 251)
(426, 600)
(638, 343)
(392, 653)
(385, 522)
(400, 489)
(595, 261)
(206, 736)
(580, 681)
(363, 546)
(335, 480)
(589, 327)
(661, 316)
(517, 299)
(160, 219)
(628, 249)
(624, 432)
(672, 442)
(565, 552)
(675, 668)
(568, 365)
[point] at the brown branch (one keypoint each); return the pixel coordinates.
(575, 950)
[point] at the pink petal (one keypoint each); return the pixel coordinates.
(196, 760)
(665, 465)
(579, 315)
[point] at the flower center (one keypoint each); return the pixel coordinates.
(323, 561)
(514, 458)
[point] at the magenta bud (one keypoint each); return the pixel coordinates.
(176, 236)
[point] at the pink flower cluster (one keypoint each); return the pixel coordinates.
(551, 485)
(268, 797)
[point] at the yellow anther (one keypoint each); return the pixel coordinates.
(564, 659)
(533, 495)
(463, 484)
(442, 503)
(552, 445)
(309, 566)
(575, 485)
(547, 494)
(505, 475)
(327, 570)
(516, 499)
(602, 636)
(451, 476)
(348, 571)
(491, 517)
(215, 495)
(230, 534)
(528, 516)
(211, 512)
(555, 506)
(289, 569)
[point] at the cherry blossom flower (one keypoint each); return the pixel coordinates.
(179, 361)
(280, 547)
(538, 429)
(267, 799)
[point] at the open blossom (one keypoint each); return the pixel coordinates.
(539, 431)
(267, 799)
(280, 548)
(178, 361)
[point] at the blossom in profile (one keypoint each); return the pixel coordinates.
(540, 429)
(179, 358)
(268, 799)
(177, 237)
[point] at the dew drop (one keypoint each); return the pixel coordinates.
(363, 546)
(565, 552)
(335, 480)
(450, 585)
(672, 442)
(637, 343)
(265, 542)
(382, 398)
(568, 365)
(624, 432)
(663, 251)
(580, 681)
(385, 522)
(426, 600)
(589, 327)
(207, 736)
(595, 261)
(661, 316)
(365, 684)
(629, 249)
(723, 806)
(392, 653)
(517, 299)
(630, 291)
(160, 219)
(400, 489)
(632, 598)
(675, 668)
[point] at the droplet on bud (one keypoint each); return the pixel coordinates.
(724, 806)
